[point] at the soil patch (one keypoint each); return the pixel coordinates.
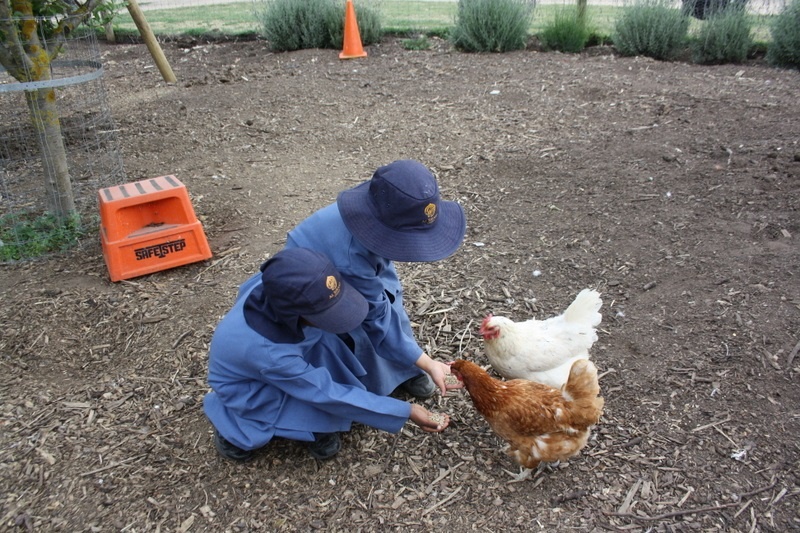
(671, 188)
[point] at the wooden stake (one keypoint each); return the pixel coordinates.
(151, 42)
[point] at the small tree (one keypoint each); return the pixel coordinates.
(32, 34)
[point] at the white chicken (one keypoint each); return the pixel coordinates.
(543, 350)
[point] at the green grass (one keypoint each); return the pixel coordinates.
(228, 19)
(29, 236)
(403, 17)
(417, 43)
(398, 18)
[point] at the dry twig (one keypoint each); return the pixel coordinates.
(442, 476)
(708, 509)
(113, 465)
(792, 355)
(442, 501)
(712, 424)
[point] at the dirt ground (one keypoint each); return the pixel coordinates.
(672, 188)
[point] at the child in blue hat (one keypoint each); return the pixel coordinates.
(397, 215)
(279, 367)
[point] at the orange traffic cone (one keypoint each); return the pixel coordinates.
(351, 48)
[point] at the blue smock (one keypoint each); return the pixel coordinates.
(263, 389)
(387, 325)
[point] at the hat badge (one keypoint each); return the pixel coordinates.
(430, 213)
(333, 285)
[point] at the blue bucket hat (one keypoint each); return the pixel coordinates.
(298, 282)
(398, 214)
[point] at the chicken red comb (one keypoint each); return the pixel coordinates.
(487, 318)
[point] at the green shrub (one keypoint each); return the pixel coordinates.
(567, 32)
(27, 237)
(725, 37)
(651, 28)
(289, 25)
(295, 25)
(492, 25)
(784, 50)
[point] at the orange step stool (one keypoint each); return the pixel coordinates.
(148, 226)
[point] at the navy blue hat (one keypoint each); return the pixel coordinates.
(398, 214)
(304, 283)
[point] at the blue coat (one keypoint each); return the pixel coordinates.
(263, 389)
(387, 324)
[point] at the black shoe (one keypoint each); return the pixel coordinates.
(421, 386)
(231, 451)
(325, 446)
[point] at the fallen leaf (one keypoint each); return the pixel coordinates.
(47, 456)
(186, 524)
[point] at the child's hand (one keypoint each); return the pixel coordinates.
(428, 421)
(439, 373)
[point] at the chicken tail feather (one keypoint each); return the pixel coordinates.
(585, 308)
(582, 391)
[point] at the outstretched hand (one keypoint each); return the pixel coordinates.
(439, 373)
(428, 421)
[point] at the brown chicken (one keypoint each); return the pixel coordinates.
(539, 423)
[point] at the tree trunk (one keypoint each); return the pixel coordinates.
(582, 10)
(24, 56)
(46, 122)
(110, 37)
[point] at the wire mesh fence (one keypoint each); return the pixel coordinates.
(58, 146)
